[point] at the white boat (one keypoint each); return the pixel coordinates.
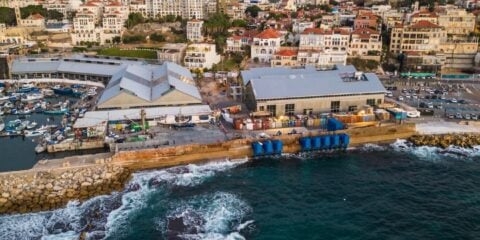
(35, 133)
(2, 124)
(31, 125)
(48, 92)
(41, 147)
(32, 97)
(4, 99)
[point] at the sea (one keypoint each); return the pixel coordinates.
(394, 191)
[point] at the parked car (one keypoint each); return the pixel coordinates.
(474, 117)
(453, 100)
(400, 98)
(458, 116)
(451, 116)
(467, 116)
(430, 105)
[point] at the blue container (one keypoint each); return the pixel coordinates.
(345, 140)
(305, 144)
(268, 147)
(257, 149)
(277, 146)
(326, 142)
(335, 140)
(316, 143)
(333, 124)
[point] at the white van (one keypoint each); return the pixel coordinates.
(413, 114)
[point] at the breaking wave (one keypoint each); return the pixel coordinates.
(213, 216)
(435, 153)
(96, 218)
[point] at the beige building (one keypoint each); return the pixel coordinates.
(457, 21)
(34, 20)
(365, 41)
(422, 36)
(194, 30)
(172, 52)
(200, 56)
(306, 90)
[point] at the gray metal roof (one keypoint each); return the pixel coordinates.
(151, 82)
(314, 84)
(25, 66)
(273, 71)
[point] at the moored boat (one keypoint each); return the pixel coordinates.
(56, 112)
(35, 133)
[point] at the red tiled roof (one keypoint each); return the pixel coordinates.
(424, 24)
(365, 31)
(269, 33)
(287, 52)
(36, 16)
(114, 4)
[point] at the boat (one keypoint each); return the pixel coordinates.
(32, 97)
(56, 112)
(41, 147)
(31, 125)
(2, 124)
(47, 92)
(62, 91)
(4, 99)
(35, 133)
(21, 112)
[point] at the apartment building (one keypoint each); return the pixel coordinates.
(35, 20)
(422, 36)
(61, 6)
(293, 57)
(367, 20)
(188, 9)
(365, 41)
(457, 21)
(424, 16)
(84, 29)
(265, 44)
(237, 42)
(194, 30)
(172, 52)
(320, 39)
(200, 56)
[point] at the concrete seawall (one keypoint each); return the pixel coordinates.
(53, 184)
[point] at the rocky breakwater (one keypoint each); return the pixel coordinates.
(32, 191)
(445, 140)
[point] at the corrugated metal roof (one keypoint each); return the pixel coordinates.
(34, 67)
(263, 71)
(93, 118)
(316, 84)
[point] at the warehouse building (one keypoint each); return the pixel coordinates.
(286, 91)
(130, 84)
(150, 86)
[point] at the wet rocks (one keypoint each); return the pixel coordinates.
(446, 140)
(31, 191)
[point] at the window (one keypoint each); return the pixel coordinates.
(272, 109)
(371, 102)
(379, 101)
(289, 109)
(307, 111)
(335, 106)
(352, 108)
(261, 108)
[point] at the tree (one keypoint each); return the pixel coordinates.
(7, 16)
(217, 24)
(294, 14)
(156, 37)
(170, 18)
(116, 40)
(54, 14)
(32, 9)
(134, 19)
(253, 11)
(239, 23)
(133, 39)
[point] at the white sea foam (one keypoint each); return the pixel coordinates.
(370, 147)
(186, 176)
(213, 216)
(435, 153)
(66, 223)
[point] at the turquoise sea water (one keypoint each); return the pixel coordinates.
(392, 192)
